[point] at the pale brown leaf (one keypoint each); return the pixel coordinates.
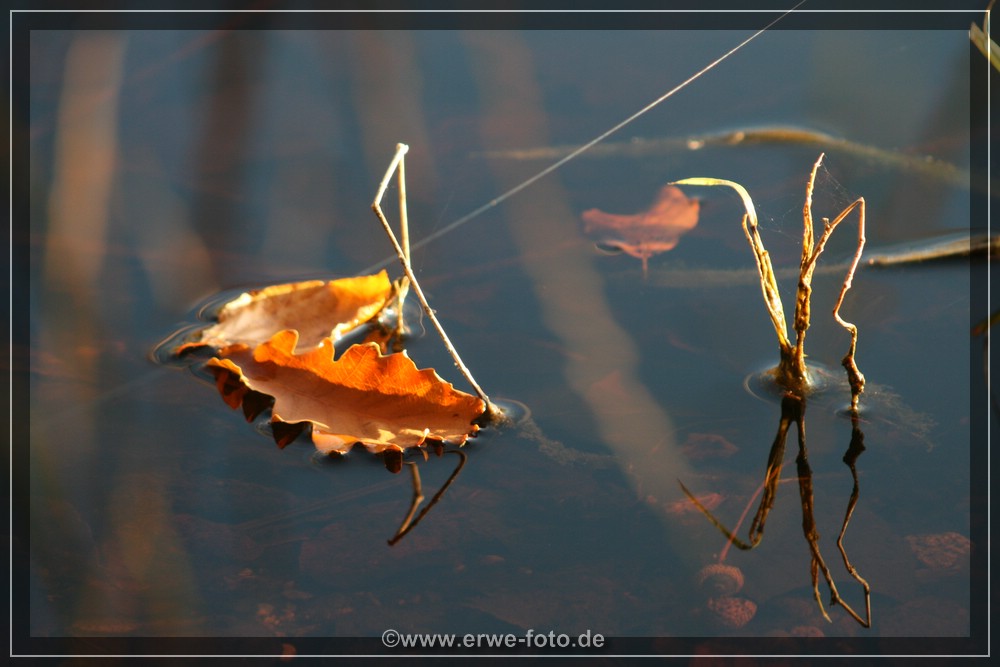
(317, 309)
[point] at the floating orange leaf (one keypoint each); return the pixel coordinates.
(382, 401)
(317, 309)
(651, 232)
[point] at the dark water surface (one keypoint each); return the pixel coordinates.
(167, 166)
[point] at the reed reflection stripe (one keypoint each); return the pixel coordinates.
(570, 292)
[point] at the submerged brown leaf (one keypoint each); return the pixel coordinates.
(382, 401)
(651, 232)
(317, 309)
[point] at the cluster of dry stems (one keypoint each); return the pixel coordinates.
(791, 372)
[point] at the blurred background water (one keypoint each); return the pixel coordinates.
(167, 166)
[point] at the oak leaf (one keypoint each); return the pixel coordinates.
(317, 309)
(381, 401)
(649, 233)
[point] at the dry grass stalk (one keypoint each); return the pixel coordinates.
(402, 252)
(791, 372)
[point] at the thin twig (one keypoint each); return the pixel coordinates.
(810, 255)
(491, 410)
(807, 265)
(404, 234)
(854, 376)
(404, 225)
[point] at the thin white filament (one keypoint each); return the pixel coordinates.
(577, 151)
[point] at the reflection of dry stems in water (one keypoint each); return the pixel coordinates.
(793, 411)
(809, 523)
(409, 523)
(854, 450)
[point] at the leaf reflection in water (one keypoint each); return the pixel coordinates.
(655, 230)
